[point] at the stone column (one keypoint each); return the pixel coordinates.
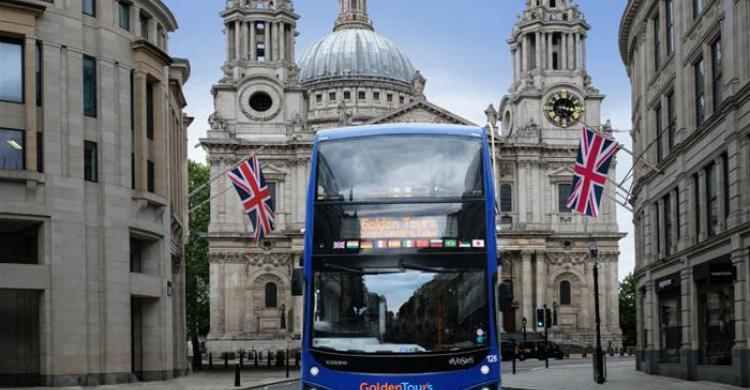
(228, 33)
(740, 258)
(252, 46)
(275, 40)
(237, 39)
(517, 61)
(524, 54)
(282, 42)
(583, 52)
(564, 51)
(140, 141)
(674, 239)
(526, 302)
(571, 51)
(578, 52)
(267, 41)
(538, 54)
(550, 49)
(689, 332)
(541, 280)
(513, 64)
(244, 43)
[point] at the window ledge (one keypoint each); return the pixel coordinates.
(149, 198)
(28, 177)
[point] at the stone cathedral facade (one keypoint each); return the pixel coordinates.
(543, 246)
(271, 104)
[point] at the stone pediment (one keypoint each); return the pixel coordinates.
(421, 111)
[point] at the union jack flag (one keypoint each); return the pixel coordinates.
(255, 196)
(590, 173)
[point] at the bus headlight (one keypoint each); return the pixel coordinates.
(484, 370)
(314, 371)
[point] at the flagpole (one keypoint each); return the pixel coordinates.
(621, 147)
(491, 121)
(202, 186)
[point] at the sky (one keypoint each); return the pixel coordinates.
(459, 46)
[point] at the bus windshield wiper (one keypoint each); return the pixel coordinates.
(419, 267)
(337, 267)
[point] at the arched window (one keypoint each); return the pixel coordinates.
(506, 198)
(271, 296)
(564, 292)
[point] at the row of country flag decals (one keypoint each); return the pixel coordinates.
(398, 244)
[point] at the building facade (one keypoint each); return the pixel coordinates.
(93, 182)
(269, 104)
(544, 247)
(690, 71)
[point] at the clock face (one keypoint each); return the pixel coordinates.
(563, 109)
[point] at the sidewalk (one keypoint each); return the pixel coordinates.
(216, 379)
(620, 375)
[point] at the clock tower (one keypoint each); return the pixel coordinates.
(544, 247)
(551, 96)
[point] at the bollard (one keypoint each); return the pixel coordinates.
(226, 360)
(286, 361)
(255, 355)
(237, 375)
(210, 361)
(268, 358)
(296, 358)
(513, 355)
(242, 354)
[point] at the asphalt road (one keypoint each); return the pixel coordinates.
(524, 366)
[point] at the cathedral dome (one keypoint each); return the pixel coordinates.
(355, 54)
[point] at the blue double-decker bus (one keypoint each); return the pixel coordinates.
(400, 264)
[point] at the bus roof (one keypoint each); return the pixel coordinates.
(407, 128)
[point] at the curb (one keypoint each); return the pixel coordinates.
(263, 386)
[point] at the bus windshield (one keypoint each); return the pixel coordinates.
(400, 305)
(399, 166)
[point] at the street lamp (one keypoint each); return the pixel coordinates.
(599, 357)
(523, 322)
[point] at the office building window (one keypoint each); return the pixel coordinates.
(563, 193)
(347, 95)
(717, 70)
(272, 193)
(667, 225)
(700, 91)
(89, 86)
(658, 126)
(271, 295)
(143, 19)
(697, 205)
(40, 152)
(331, 96)
(39, 79)
(90, 161)
(151, 179)
(12, 149)
(725, 186)
(123, 12)
(697, 7)
(657, 41)
(712, 200)
(376, 96)
(506, 198)
(361, 95)
(150, 110)
(670, 25)
(671, 121)
(11, 76)
(657, 214)
(88, 7)
(677, 211)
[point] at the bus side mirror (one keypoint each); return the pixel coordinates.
(505, 296)
(298, 282)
